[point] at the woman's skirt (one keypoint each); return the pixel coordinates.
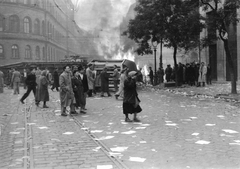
(129, 108)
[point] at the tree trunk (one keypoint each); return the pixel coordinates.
(175, 65)
(232, 68)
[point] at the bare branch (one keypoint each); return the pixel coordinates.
(208, 4)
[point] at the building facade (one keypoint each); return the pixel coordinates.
(38, 31)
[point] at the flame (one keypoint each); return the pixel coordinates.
(121, 55)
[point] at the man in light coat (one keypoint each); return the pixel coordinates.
(66, 92)
(16, 77)
(91, 80)
(202, 74)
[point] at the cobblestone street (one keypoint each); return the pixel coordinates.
(176, 131)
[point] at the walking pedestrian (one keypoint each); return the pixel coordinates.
(123, 77)
(115, 78)
(42, 90)
(105, 82)
(77, 86)
(24, 78)
(202, 74)
(31, 85)
(66, 91)
(16, 78)
(55, 80)
(130, 99)
(151, 75)
(84, 80)
(1, 82)
(209, 75)
(91, 80)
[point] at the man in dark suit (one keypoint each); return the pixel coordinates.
(55, 80)
(31, 85)
(84, 79)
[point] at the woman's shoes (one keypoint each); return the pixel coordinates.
(116, 96)
(44, 106)
(136, 120)
(128, 120)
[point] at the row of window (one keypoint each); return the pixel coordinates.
(28, 52)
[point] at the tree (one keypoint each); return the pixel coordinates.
(221, 16)
(175, 22)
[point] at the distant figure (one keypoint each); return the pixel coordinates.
(151, 75)
(16, 78)
(91, 80)
(104, 82)
(83, 78)
(24, 78)
(168, 72)
(31, 86)
(115, 76)
(55, 80)
(202, 74)
(123, 77)
(1, 81)
(43, 94)
(209, 75)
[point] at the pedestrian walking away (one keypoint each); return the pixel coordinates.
(66, 92)
(115, 76)
(55, 80)
(123, 77)
(42, 90)
(131, 100)
(16, 78)
(104, 82)
(84, 80)
(31, 85)
(91, 80)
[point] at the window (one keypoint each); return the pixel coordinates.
(15, 51)
(37, 27)
(37, 52)
(26, 25)
(1, 52)
(14, 23)
(2, 23)
(43, 53)
(27, 2)
(28, 52)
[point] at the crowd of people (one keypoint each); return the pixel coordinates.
(198, 74)
(74, 85)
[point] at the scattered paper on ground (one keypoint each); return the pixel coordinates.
(68, 133)
(119, 149)
(104, 138)
(44, 127)
(210, 124)
(137, 159)
(202, 142)
(104, 167)
(195, 134)
(229, 131)
(96, 131)
(129, 132)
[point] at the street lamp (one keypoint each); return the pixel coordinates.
(160, 63)
(155, 44)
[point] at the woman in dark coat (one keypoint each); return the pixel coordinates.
(104, 82)
(55, 80)
(78, 90)
(130, 99)
(42, 93)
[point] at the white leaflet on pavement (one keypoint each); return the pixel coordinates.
(129, 132)
(143, 142)
(104, 167)
(57, 111)
(220, 116)
(54, 139)
(210, 124)
(104, 138)
(31, 124)
(68, 133)
(195, 134)
(137, 159)
(140, 127)
(171, 124)
(14, 132)
(96, 131)
(229, 131)
(145, 124)
(234, 144)
(202, 142)
(237, 141)
(193, 117)
(116, 132)
(44, 127)
(119, 149)
(96, 149)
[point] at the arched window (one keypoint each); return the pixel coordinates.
(14, 23)
(15, 51)
(1, 51)
(37, 52)
(37, 27)
(26, 25)
(28, 52)
(2, 23)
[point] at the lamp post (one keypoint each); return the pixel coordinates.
(155, 44)
(160, 62)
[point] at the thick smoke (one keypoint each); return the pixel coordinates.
(105, 20)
